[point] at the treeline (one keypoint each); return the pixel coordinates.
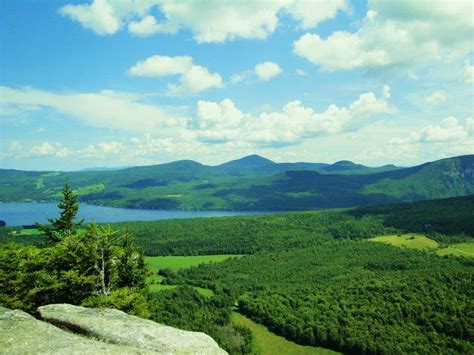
(448, 221)
(250, 234)
(352, 296)
(451, 216)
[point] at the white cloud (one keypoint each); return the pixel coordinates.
(267, 70)
(386, 92)
(47, 149)
(261, 71)
(148, 26)
(110, 147)
(341, 50)
(449, 129)
(98, 16)
(158, 65)
(192, 78)
(221, 122)
(311, 13)
(395, 35)
(209, 21)
(102, 109)
(436, 98)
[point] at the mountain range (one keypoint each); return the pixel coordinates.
(249, 183)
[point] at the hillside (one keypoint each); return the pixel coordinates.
(250, 183)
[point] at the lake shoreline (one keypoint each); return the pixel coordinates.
(28, 213)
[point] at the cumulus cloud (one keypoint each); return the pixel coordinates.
(261, 71)
(98, 16)
(192, 78)
(209, 21)
(436, 98)
(101, 109)
(47, 149)
(396, 34)
(267, 70)
(148, 26)
(222, 121)
(449, 129)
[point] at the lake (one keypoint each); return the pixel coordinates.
(18, 213)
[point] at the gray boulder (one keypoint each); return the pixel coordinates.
(116, 327)
(21, 333)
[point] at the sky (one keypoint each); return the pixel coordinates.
(110, 83)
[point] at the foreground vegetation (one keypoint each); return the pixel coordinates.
(316, 278)
(94, 266)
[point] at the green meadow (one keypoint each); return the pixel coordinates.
(268, 343)
(176, 263)
(461, 249)
(414, 241)
(421, 242)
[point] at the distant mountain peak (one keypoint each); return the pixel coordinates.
(342, 163)
(248, 161)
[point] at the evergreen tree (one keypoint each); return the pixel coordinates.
(65, 224)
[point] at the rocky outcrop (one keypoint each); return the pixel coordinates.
(73, 329)
(21, 333)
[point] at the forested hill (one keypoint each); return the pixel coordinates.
(250, 183)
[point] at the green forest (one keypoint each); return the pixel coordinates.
(316, 278)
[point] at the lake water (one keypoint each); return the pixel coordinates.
(17, 214)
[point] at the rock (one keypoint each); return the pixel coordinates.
(116, 327)
(21, 333)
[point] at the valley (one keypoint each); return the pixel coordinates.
(317, 278)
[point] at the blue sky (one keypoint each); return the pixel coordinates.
(119, 83)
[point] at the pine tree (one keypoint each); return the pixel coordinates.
(65, 224)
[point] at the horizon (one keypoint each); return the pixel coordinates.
(112, 168)
(107, 83)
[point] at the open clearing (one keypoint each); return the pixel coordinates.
(414, 241)
(462, 249)
(30, 231)
(267, 343)
(175, 263)
(159, 287)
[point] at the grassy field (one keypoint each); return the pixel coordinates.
(462, 249)
(159, 287)
(421, 242)
(414, 241)
(176, 263)
(30, 231)
(267, 343)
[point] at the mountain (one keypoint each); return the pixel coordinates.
(249, 183)
(250, 161)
